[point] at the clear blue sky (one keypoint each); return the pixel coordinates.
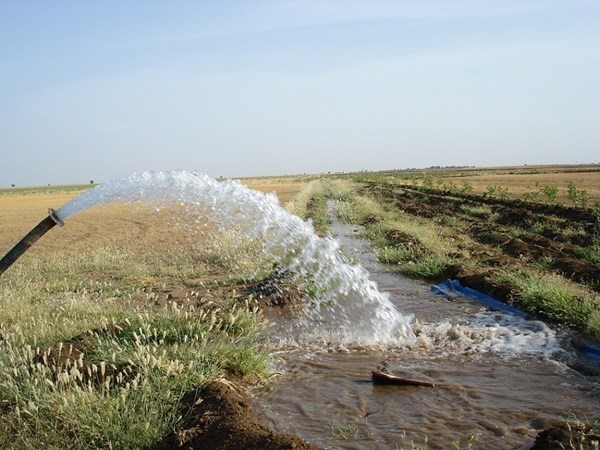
(99, 89)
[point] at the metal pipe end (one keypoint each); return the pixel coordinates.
(54, 216)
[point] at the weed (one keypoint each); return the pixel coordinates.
(411, 444)
(428, 181)
(429, 268)
(553, 297)
(458, 445)
(481, 211)
(497, 192)
(345, 430)
(578, 197)
(551, 194)
(533, 195)
(466, 188)
(397, 255)
(545, 262)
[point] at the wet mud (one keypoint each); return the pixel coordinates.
(220, 416)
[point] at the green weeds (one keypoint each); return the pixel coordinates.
(553, 297)
(87, 361)
(497, 192)
(578, 197)
(410, 246)
(344, 431)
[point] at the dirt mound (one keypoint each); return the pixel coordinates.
(567, 435)
(220, 416)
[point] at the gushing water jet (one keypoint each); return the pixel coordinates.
(350, 306)
(31, 238)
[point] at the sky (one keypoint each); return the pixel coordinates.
(95, 90)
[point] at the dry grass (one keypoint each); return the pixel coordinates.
(285, 190)
(20, 212)
(518, 184)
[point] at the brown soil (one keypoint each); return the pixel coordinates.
(220, 416)
(277, 296)
(567, 435)
(506, 238)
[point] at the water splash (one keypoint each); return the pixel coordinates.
(351, 308)
(502, 334)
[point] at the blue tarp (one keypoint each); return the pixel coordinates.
(592, 353)
(452, 287)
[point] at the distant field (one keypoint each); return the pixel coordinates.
(43, 190)
(285, 189)
(137, 230)
(518, 183)
(21, 209)
(519, 180)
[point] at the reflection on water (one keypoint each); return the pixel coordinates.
(501, 378)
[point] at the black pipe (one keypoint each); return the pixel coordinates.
(30, 239)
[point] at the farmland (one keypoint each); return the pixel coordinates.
(540, 254)
(114, 325)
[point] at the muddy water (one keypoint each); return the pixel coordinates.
(499, 378)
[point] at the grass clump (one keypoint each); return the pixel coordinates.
(411, 246)
(480, 211)
(88, 359)
(346, 430)
(555, 298)
(429, 267)
(590, 253)
(123, 388)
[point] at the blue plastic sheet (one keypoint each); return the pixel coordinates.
(451, 288)
(591, 353)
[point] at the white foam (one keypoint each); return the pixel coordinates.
(488, 332)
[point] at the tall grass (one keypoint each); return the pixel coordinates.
(555, 298)
(87, 362)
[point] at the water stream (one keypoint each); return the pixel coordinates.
(346, 290)
(500, 377)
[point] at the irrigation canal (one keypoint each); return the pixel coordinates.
(500, 378)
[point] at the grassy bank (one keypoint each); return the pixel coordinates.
(436, 234)
(98, 346)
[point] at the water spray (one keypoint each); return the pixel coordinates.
(31, 238)
(350, 307)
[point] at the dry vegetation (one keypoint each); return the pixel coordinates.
(519, 180)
